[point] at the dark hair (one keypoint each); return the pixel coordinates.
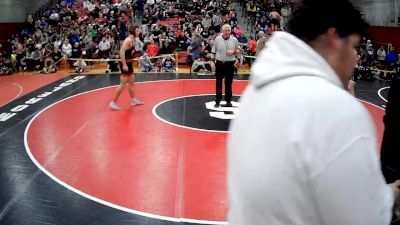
(132, 30)
(312, 18)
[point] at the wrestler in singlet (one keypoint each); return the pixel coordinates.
(126, 78)
(129, 63)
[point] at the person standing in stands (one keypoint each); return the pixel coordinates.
(126, 64)
(275, 19)
(216, 22)
(195, 45)
(302, 149)
(262, 39)
(225, 48)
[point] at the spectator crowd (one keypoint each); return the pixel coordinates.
(95, 29)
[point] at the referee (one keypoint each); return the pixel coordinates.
(225, 48)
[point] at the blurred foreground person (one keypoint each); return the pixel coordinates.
(303, 150)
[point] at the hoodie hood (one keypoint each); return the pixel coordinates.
(287, 56)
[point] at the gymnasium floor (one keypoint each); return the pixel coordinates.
(66, 158)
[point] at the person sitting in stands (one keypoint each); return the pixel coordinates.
(49, 65)
(6, 67)
(201, 66)
(80, 66)
(145, 63)
(113, 65)
(168, 64)
(152, 49)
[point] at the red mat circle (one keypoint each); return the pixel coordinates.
(132, 161)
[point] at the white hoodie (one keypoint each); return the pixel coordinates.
(303, 151)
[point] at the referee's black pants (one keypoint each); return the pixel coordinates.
(224, 69)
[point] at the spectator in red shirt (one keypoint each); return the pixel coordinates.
(152, 49)
(100, 20)
(252, 46)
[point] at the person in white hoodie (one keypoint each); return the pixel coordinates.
(303, 150)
